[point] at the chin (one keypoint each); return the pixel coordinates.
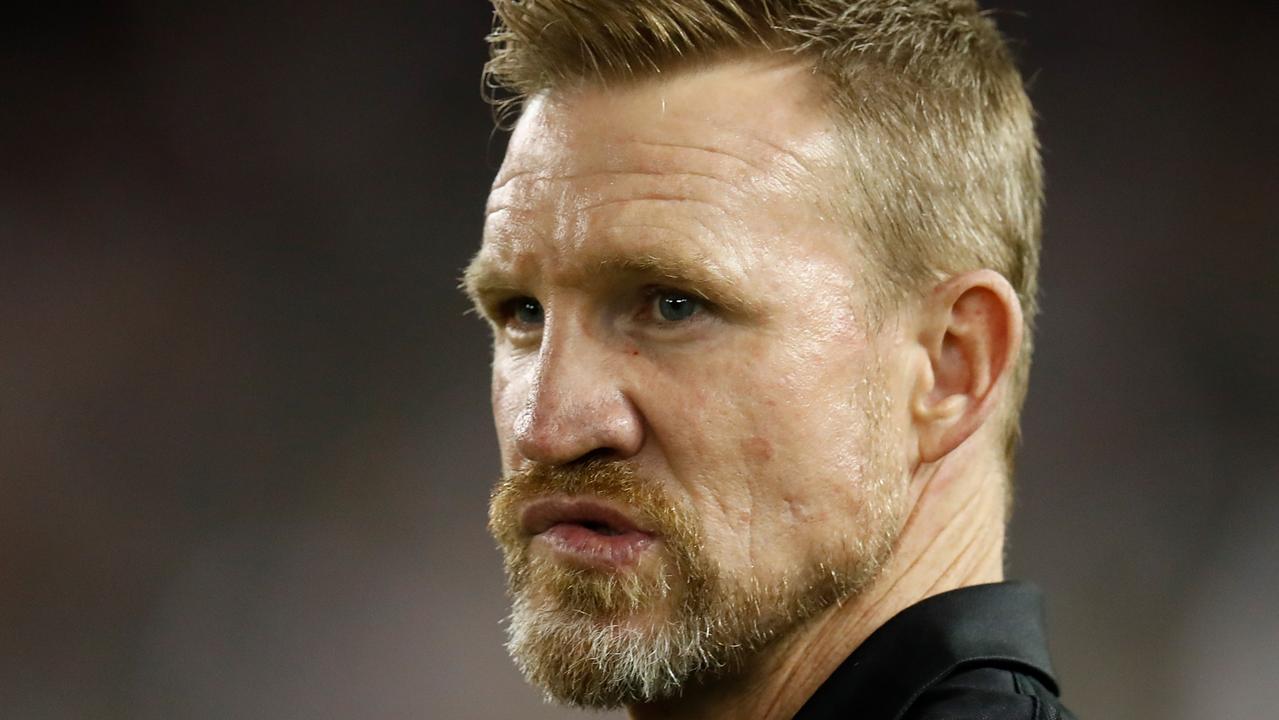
(602, 662)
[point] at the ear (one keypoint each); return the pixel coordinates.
(970, 331)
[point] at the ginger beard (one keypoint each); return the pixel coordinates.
(603, 638)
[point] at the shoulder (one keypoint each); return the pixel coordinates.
(987, 692)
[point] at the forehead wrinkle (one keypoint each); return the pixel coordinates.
(543, 175)
(749, 149)
(761, 159)
(501, 181)
(506, 203)
(707, 149)
(726, 155)
(653, 198)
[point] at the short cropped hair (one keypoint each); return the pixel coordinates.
(940, 150)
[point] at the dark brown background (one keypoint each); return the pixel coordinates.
(244, 442)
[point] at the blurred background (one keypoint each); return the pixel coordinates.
(245, 448)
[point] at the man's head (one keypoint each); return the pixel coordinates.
(750, 266)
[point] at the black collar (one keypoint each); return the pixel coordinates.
(1000, 624)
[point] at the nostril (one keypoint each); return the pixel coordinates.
(601, 454)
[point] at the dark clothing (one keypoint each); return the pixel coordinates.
(977, 653)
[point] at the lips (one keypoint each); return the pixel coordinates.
(586, 530)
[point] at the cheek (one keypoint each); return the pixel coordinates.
(791, 443)
(509, 390)
(723, 429)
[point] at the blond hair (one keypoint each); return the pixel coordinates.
(943, 163)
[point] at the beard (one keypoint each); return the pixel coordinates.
(602, 638)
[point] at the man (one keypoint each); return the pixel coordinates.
(761, 275)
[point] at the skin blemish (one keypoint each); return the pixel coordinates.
(758, 448)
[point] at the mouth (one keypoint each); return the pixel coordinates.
(586, 530)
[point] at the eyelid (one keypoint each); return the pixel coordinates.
(491, 307)
(652, 293)
(498, 308)
(509, 309)
(488, 300)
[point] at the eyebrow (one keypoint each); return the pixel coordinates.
(486, 279)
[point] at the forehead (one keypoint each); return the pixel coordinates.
(722, 159)
(731, 117)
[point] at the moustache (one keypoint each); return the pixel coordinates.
(644, 500)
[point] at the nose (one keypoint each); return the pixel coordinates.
(577, 405)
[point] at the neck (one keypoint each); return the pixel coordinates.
(953, 537)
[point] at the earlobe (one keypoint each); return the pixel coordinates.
(970, 333)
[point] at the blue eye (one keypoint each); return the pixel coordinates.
(676, 306)
(526, 311)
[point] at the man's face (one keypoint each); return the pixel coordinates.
(695, 419)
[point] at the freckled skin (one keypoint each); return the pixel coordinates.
(758, 448)
(755, 418)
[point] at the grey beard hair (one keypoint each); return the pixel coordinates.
(586, 660)
(603, 666)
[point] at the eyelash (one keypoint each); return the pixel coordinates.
(505, 312)
(654, 295)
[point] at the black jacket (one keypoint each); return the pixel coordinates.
(978, 653)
